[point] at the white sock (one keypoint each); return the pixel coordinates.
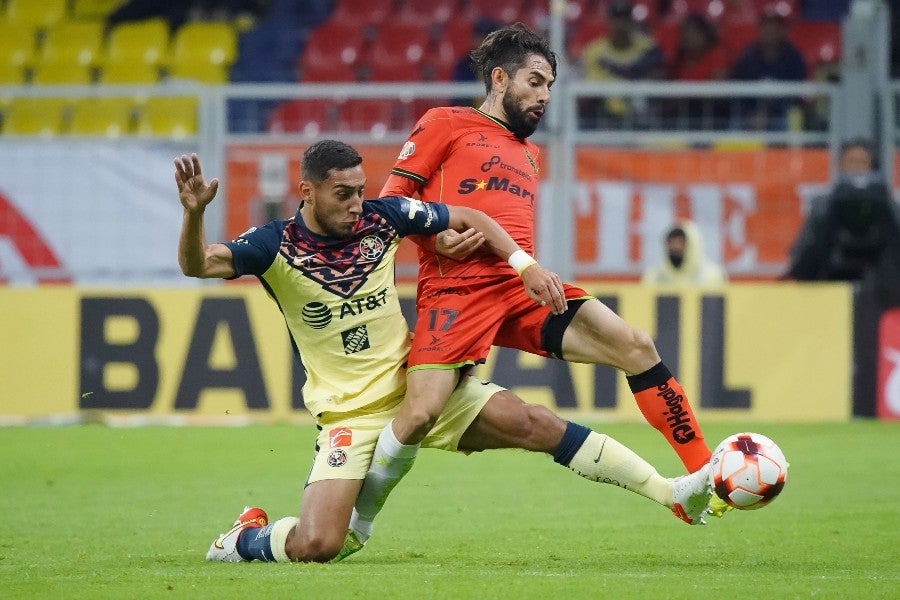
(390, 462)
(278, 537)
(601, 458)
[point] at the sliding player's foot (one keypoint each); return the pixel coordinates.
(352, 545)
(691, 495)
(718, 507)
(223, 549)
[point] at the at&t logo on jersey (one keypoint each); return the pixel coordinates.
(316, 315)
(467, 186)
(371, 247)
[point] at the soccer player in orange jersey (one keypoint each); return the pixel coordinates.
(481, 158)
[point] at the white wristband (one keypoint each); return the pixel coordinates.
(519, 260)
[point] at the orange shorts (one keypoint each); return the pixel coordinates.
(459, 319)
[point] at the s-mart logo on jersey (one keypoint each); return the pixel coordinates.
(340, 437)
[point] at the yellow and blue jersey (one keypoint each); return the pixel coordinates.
(339, 300)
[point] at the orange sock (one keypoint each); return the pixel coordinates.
(665, 406)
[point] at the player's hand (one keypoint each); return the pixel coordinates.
(545, 287)
(193, 190)
(456, 245)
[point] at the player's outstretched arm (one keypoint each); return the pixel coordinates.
(541, 285)
(195, 257)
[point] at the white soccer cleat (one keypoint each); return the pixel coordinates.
(690, 496)
(224, 549)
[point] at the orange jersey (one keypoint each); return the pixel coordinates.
(464, 157)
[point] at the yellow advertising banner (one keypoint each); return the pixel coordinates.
(755, 352)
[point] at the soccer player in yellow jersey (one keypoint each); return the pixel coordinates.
(330, 270)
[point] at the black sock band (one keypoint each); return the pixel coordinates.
(652, 377)
(571, 441)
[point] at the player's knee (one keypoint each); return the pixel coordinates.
(545, 428)
(314, 547)
(642, 349)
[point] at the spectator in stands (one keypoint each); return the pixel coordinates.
(771, 57)
(464, 70)
(698, 57)
(685, 262)
(852, 230)
(625, 54)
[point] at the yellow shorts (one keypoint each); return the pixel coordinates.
(346, 442)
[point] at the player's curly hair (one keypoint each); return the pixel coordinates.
(507, 48)
(323, 156)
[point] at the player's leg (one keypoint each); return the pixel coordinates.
(398, 443)
(595, 334)
(506, 421)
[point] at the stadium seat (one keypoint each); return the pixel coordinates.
(18, 46)
(61, 73)
(128, 73)
(94, 9)
(32, 13)
(35, 116)
(11, 74)
(108, 117)
(375, 117)
(361, 13)
(384, 72)
(198, 71)
(202, 44)
(331, 44)
(138, 42)
(400, 45)
(74, 42)
(666, 35)
(309, 117)
(502, 11)
(330, 73)
(735, 36)
(586, 31)
(171, 117)
(425, 12)
(818, 41)
(457, 34)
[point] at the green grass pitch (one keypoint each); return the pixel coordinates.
(97, 512)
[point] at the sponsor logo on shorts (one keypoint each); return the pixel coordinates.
(340, 437)
(355, 339)
(316, 315)
(337, 458)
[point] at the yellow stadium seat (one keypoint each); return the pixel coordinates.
(61, 73)
(168, 117)
(138, 42)
(75, 42)
(36, 13)
(128, 73)
(35, 116)
(205, 42)
(198, 71)
(18, 45)
(109, 117)
(94, 9)
(11, 74)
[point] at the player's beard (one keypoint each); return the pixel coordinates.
(333, 228)
(520, 122)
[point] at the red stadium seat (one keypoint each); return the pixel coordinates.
(818, 41)
(333, 43)
(426, 12)
(586, 31)
(309, 117)
(375, 117)
(666, 35)
(736, 36)
(458, 36)
(362, 13)
(402, 45)
(503, 11)
(387, 72)
(312, 72)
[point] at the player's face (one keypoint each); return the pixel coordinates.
(334, 206)
(527, 95)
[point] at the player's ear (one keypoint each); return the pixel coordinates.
(499, 79)
(305, 190)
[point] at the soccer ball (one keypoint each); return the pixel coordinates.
(748, 470)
